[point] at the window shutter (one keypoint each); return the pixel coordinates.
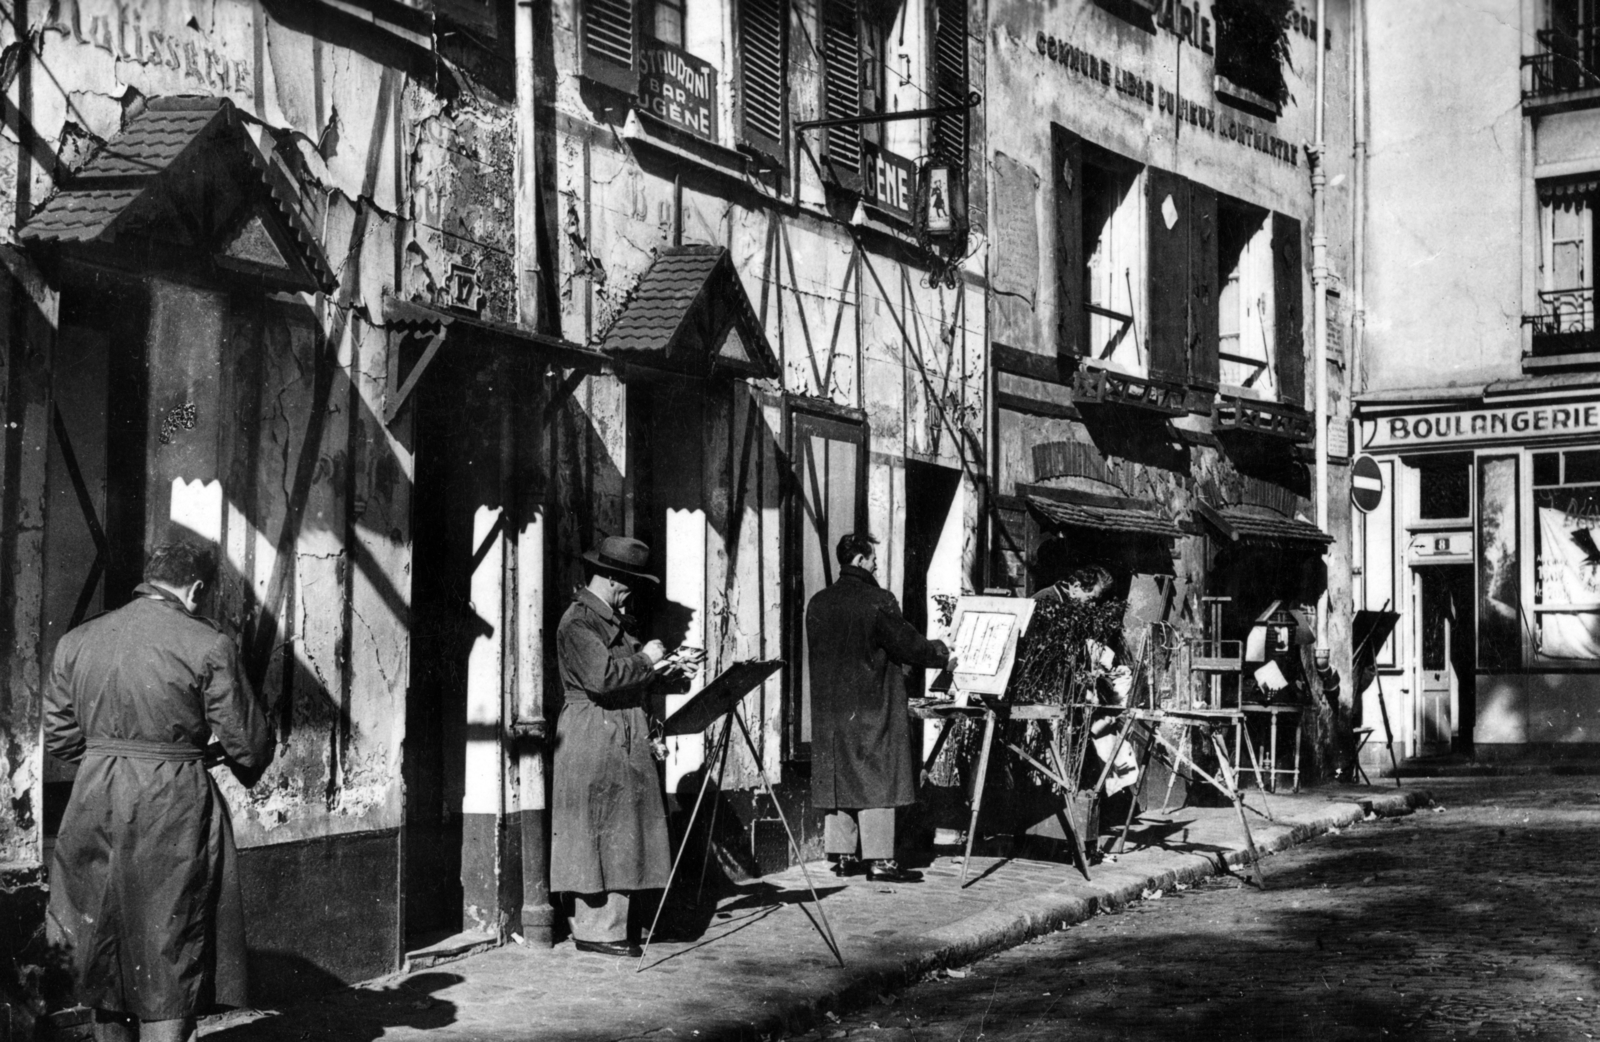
(607, 44)
(1289, 324)
(841, 87)
(1204, 366)
(1167, 334)
(1066, 171)
(763, 86)
(950, 79)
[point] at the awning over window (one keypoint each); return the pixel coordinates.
(691, 315)
(1263, 527)
(1569, 188)
(186, 174)
(1083, 510)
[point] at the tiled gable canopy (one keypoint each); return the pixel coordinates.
(185, 175)
(690, 315)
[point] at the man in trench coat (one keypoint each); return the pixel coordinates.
(861, 757)
(144, 882)
(608, 820)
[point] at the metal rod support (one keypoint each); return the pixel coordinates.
(974, 99)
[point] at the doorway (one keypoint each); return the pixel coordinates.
(930, 494)
(1446, 668)
(95, 507)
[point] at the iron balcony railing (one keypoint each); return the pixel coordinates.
(1564, 323)
(1564, 311)
(1565, 63)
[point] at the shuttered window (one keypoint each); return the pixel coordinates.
(1290, 318)
(1168, 227)
(1066, 167)
(607, 43)
(841, 87)
(950, 78)
(763, 81)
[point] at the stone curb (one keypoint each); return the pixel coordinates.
(1021, 920)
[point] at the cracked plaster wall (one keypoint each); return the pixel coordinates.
(338, 117)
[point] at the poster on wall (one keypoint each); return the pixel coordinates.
(1499, 592)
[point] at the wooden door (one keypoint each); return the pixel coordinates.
(1437, 680)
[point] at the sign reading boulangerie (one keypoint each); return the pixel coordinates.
(1518, 423)
(678, 88)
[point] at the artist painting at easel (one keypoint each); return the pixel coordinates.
(861, 762)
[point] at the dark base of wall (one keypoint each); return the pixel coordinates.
(320, 913)
(1537, 752)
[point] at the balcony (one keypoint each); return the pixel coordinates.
(1565, 74)
(1563, 330)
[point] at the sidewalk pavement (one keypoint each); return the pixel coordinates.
(756, 965)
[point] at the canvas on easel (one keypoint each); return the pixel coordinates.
(708, 705)
(986, 631)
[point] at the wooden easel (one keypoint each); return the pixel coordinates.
(992, 714)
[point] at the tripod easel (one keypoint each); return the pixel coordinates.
(719, 758)
(1367, 647)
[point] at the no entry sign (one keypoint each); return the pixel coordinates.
(1366, 484)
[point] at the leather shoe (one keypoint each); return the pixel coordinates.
(619, 948)
(888, 870)
(845, 865)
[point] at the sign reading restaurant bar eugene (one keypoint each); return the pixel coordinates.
(678, 88)
(1501, 424)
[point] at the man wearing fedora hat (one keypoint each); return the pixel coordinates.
(609, 824)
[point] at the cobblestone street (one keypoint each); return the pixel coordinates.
(1479, 920)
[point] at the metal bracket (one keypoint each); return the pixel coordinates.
(974, 99)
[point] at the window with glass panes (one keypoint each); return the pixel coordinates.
(1566, 507)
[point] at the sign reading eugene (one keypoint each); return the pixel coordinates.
(1506, 423)
(177, 44)
(678, 88)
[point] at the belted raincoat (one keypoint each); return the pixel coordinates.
(608, 819)
(144, 882)
(860, 736)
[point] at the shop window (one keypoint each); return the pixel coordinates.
(1113, 252)
(828, 498)
(1564, 322)
(1246, 313)
(1566, 504)
(1444, 490)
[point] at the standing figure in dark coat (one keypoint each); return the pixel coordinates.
(861, 757)
(608, 820)
(144, 883)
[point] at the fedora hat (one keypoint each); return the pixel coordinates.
(622, 556)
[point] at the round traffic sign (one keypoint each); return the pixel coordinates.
(1366, 484)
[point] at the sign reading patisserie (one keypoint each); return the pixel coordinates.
(1506, 423)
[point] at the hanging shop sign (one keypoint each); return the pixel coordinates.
(1507, 423)
(678, 88)
(891, 180)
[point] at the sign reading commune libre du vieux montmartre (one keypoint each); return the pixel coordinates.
(1504, 423)
(678, 88)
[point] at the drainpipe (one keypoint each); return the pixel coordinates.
(527, 701)
(1319, 309)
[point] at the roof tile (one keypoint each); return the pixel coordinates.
(1139, 519)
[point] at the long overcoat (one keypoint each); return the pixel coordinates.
(860, 737)
(144, 883)
(608, 819)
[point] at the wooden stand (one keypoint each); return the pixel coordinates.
(992, 715)
(719, 758)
